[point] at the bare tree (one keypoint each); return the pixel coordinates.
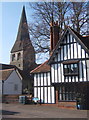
(67, 13)
(78, 16)
(44, 13)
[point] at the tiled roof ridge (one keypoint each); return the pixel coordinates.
(39, 66)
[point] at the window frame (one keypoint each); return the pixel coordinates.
(69, 95)
(70, 67)
(13, 57)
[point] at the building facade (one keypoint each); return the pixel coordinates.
(42, 84)
(69, 67)
(69, 62)
(11, 82)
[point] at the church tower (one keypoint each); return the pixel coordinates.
(23, 53)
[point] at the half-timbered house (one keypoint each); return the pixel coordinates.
(69, 67)
(42, 84)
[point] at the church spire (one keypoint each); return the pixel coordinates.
(23, 38)
(23, 53)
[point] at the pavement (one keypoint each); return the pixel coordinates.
(40, 111)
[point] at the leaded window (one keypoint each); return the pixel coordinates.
(71, 69)
(67, 93)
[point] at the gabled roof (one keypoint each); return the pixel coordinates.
(6, 66)
(42, 68)
(23, 39)
(6, 70)
(84, 41)
(4, 74)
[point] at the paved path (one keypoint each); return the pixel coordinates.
(38, 111)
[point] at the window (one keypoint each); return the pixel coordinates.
(19, 65)
(19, 56)
(16, 87)
(13, 57)
(67, 93)
(71, 69)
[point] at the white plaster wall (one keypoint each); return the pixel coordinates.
(39, 92)
(35, 92)
(49, 96)
(38, 80)
(59, 72)
(84, 70)
(79, 52)
(82, 74)
(87, 69)
(42, 81)
(53, 95)
(42, 94)
(69, 52)
(56, 73)
(45, 91)
(52, 72)
(45, 95)
(35, 81)
(8, 86)
(49, 82)
(45, 80)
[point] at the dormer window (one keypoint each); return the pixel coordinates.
(13, 57)
(18, 56)
(71, 69)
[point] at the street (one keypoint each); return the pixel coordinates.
(39, 111)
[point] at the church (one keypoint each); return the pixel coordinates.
(22, 57)
(23, 54)
(64, 78)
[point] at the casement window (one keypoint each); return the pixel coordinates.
(71, 69)
(67, 93)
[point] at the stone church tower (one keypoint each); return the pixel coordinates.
(23, 53)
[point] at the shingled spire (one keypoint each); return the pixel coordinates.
(23, 53)
(23, 38)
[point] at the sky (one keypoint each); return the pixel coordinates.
(10, 14)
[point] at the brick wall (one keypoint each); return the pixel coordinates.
(10, 99)
(67, 105)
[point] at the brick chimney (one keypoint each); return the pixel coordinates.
(54, 35)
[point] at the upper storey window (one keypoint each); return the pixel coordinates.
(71, 69)
(13, 57)
(18, 56)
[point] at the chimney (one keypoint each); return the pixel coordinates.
(54, 34)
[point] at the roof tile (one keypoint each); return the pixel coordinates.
(42, 68)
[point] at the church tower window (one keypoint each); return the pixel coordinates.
(18, 56)
(13, 57)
